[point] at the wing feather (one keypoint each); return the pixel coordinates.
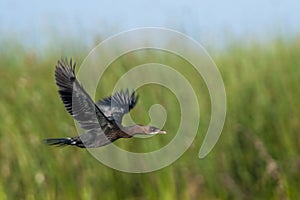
(116, 106)
(76, 100)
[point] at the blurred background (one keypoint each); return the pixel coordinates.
(255, 44)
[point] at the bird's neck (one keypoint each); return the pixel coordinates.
(133, 130)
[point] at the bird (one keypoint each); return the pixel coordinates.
(102, 121)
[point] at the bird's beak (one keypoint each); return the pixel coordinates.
(161, 132)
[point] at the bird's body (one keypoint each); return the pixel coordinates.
(103, 120)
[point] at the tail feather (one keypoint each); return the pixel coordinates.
(60, 141)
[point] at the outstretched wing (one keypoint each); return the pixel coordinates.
(77, 102)
(117, 105)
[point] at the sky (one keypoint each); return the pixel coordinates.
(38, 22)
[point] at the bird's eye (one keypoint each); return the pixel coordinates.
(152, 129)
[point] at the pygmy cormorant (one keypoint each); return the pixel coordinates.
(101, 121)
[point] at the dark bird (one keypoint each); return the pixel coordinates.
(101, 121)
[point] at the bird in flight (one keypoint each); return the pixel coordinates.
(102, 121)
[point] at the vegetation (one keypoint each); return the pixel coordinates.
(256, 157)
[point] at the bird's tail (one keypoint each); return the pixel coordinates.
(61, 141)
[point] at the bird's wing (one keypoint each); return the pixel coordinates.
(117, 105)
(76, 100)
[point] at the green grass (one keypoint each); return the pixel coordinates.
(257, 156)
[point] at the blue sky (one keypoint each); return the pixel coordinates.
(36, 22)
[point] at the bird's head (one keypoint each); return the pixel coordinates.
(143, 130)
(151, 130)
